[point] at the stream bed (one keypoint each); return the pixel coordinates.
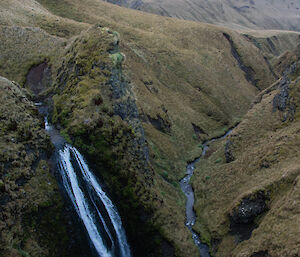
(187, 189)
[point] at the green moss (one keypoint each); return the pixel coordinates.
(66, 136)
(34, 221)
(117, 59)
(23, 253)
(219, 160)
(83, 107)
(203, 232)
(165, 174)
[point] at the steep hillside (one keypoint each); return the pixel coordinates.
(237, 14)
(179, 80)
(21, 48)
(96, 109)
(247, 188)
(273, 43)
(34, 220)
(138, 94)
(29, 13)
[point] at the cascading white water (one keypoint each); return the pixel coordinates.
(97, 212)
(77, 197)
(88, 209)
(111, 209)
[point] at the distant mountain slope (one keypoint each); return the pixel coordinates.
(253, 14)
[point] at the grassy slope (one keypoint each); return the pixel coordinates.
(22, 48)
(24, 40)
(273, 43)
(176, 68)
(183, 67)
(30, 13)
(266, 158)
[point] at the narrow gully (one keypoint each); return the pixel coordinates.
(187, 189)
(96, 211)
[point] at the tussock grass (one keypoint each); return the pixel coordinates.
(21, 48)
(266, 158)
(181, 71)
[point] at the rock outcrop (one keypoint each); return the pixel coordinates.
(242, 219)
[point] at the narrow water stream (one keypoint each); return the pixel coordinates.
(187, 189)
(98, 214)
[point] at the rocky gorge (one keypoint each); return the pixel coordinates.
(138, 108)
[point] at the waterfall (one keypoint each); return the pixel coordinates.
(97, 212)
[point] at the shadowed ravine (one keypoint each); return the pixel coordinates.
(94, 208)
(187, 189)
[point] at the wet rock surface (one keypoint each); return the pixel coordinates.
(39, 78)
(124, 104)
(242, 221)
(282, 101)
(160, 124)
(261, 254)
(228, 151)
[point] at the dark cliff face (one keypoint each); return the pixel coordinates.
(39, 78)
(96, 111)
(228, 151)
(284, 101)
(242, 221)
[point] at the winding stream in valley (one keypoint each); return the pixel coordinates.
(96, 211)
(92, 205)
(187, 189)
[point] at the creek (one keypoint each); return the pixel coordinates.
(187, 189)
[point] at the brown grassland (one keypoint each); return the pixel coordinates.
(188, 85)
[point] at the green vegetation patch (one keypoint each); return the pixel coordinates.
(117, 59)
(32, 222)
